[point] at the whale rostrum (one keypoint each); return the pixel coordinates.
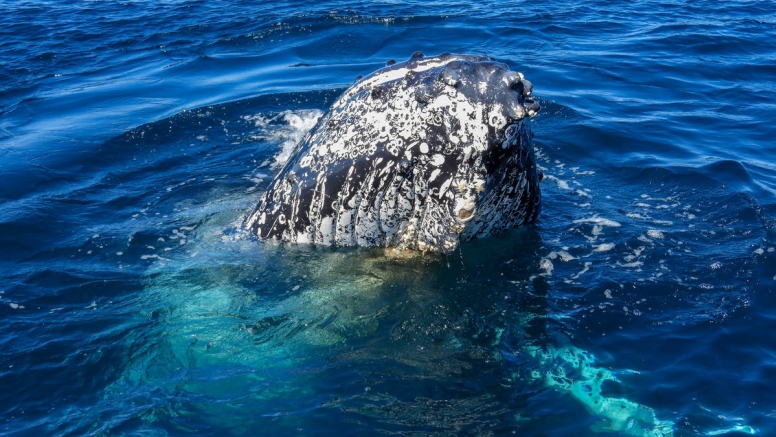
(419, 155)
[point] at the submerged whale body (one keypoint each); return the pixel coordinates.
(419, 155)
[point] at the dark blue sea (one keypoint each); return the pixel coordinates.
(136, 136)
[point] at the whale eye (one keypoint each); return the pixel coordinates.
(416, 55)
(390, 62)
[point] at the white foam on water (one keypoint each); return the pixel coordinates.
(546, 265)
(288, 128)
(603, 247)
(561, 183)
(599, 221)
(563, 255)
(654, 233)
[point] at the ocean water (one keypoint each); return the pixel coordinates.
(135, 137)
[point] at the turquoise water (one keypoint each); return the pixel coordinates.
(135, 137)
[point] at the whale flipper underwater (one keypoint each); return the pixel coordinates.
(417, 155)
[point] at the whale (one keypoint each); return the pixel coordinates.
(419, 155)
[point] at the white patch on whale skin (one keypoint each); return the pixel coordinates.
(396, 72)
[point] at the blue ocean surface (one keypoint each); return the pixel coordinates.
(136, 137)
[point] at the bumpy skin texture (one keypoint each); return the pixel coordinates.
(419, 155)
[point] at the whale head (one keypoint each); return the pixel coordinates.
(419, 155)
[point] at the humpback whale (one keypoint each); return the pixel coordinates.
(418, 155)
